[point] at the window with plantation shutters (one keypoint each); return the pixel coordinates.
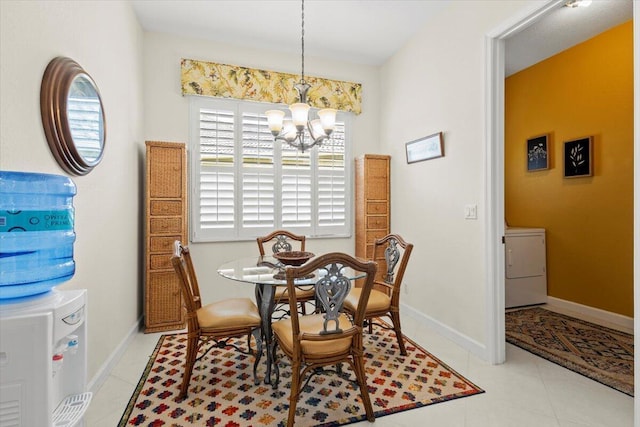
(244, 185)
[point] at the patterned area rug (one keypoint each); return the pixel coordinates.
(222, 392)
(602, 354)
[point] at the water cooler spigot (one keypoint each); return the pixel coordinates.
(72, 344)
(57, 361)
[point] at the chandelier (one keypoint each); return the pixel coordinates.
(293, 130)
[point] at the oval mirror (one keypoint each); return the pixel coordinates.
(72, 116)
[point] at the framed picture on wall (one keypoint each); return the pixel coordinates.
(425, 148)
(538, 153)
(578, 158)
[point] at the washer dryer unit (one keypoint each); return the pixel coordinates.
(525, 266)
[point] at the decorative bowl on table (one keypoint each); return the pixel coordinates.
(294, 258)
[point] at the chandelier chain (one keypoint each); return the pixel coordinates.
(300, 131)
(302, 42)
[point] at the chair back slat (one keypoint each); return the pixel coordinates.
(280, 241)
(332, 288)
(396, 255)
(331, 291)
(183, 266)
(281, 244)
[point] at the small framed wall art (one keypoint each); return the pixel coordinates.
(578, 158)
(538, 153)
(429, 147)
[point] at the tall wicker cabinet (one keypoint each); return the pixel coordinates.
(373, 203)
(166, 222)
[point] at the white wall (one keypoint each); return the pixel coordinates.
(105, 38)
(436, 83)
(167, 114)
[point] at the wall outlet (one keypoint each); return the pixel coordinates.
(471, 212)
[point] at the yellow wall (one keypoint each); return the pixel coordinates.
(584, 91)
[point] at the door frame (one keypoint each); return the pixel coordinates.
(494, 173)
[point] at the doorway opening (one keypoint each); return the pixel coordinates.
(495, 164)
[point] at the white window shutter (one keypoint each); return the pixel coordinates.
(332, 184)
(213, 202)
(245, 184)
(258, 181)
(216, 199)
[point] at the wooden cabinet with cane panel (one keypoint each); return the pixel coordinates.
(166, 222)
(373, 205)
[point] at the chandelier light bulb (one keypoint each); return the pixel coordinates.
(300, 114)
(316, 129)
(327, 119)
(289, 131)
(274, 120)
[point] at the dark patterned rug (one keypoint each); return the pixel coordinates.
(222, 392)
(602, 354)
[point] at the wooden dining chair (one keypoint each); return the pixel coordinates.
(286, 241)
(218, 322)
(392, 254)
(329, 337)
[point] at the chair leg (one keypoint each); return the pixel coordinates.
(190, 360)
(364, 390)
(395, 319)
(295, 391)
(370, 322)
(275, 364)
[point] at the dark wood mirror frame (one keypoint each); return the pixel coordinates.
(57, 81)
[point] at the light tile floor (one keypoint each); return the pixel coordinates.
(524, 391)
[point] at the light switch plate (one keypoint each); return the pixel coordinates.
(471, 212)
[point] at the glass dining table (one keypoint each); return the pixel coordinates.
(267, 273)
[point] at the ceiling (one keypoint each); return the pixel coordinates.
(361, 31)
(561, 29)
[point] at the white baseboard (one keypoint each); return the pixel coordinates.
(105, 370)
(451, 334)
(601, 316)
(613, 320)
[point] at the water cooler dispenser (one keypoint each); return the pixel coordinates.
(43, 331)
(43, 360)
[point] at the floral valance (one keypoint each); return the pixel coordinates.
(232, 81)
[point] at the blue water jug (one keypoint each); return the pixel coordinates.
(36, 233)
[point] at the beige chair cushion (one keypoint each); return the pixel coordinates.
(232, 312)
(378, 301)
(313, 324)
(281, 291)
